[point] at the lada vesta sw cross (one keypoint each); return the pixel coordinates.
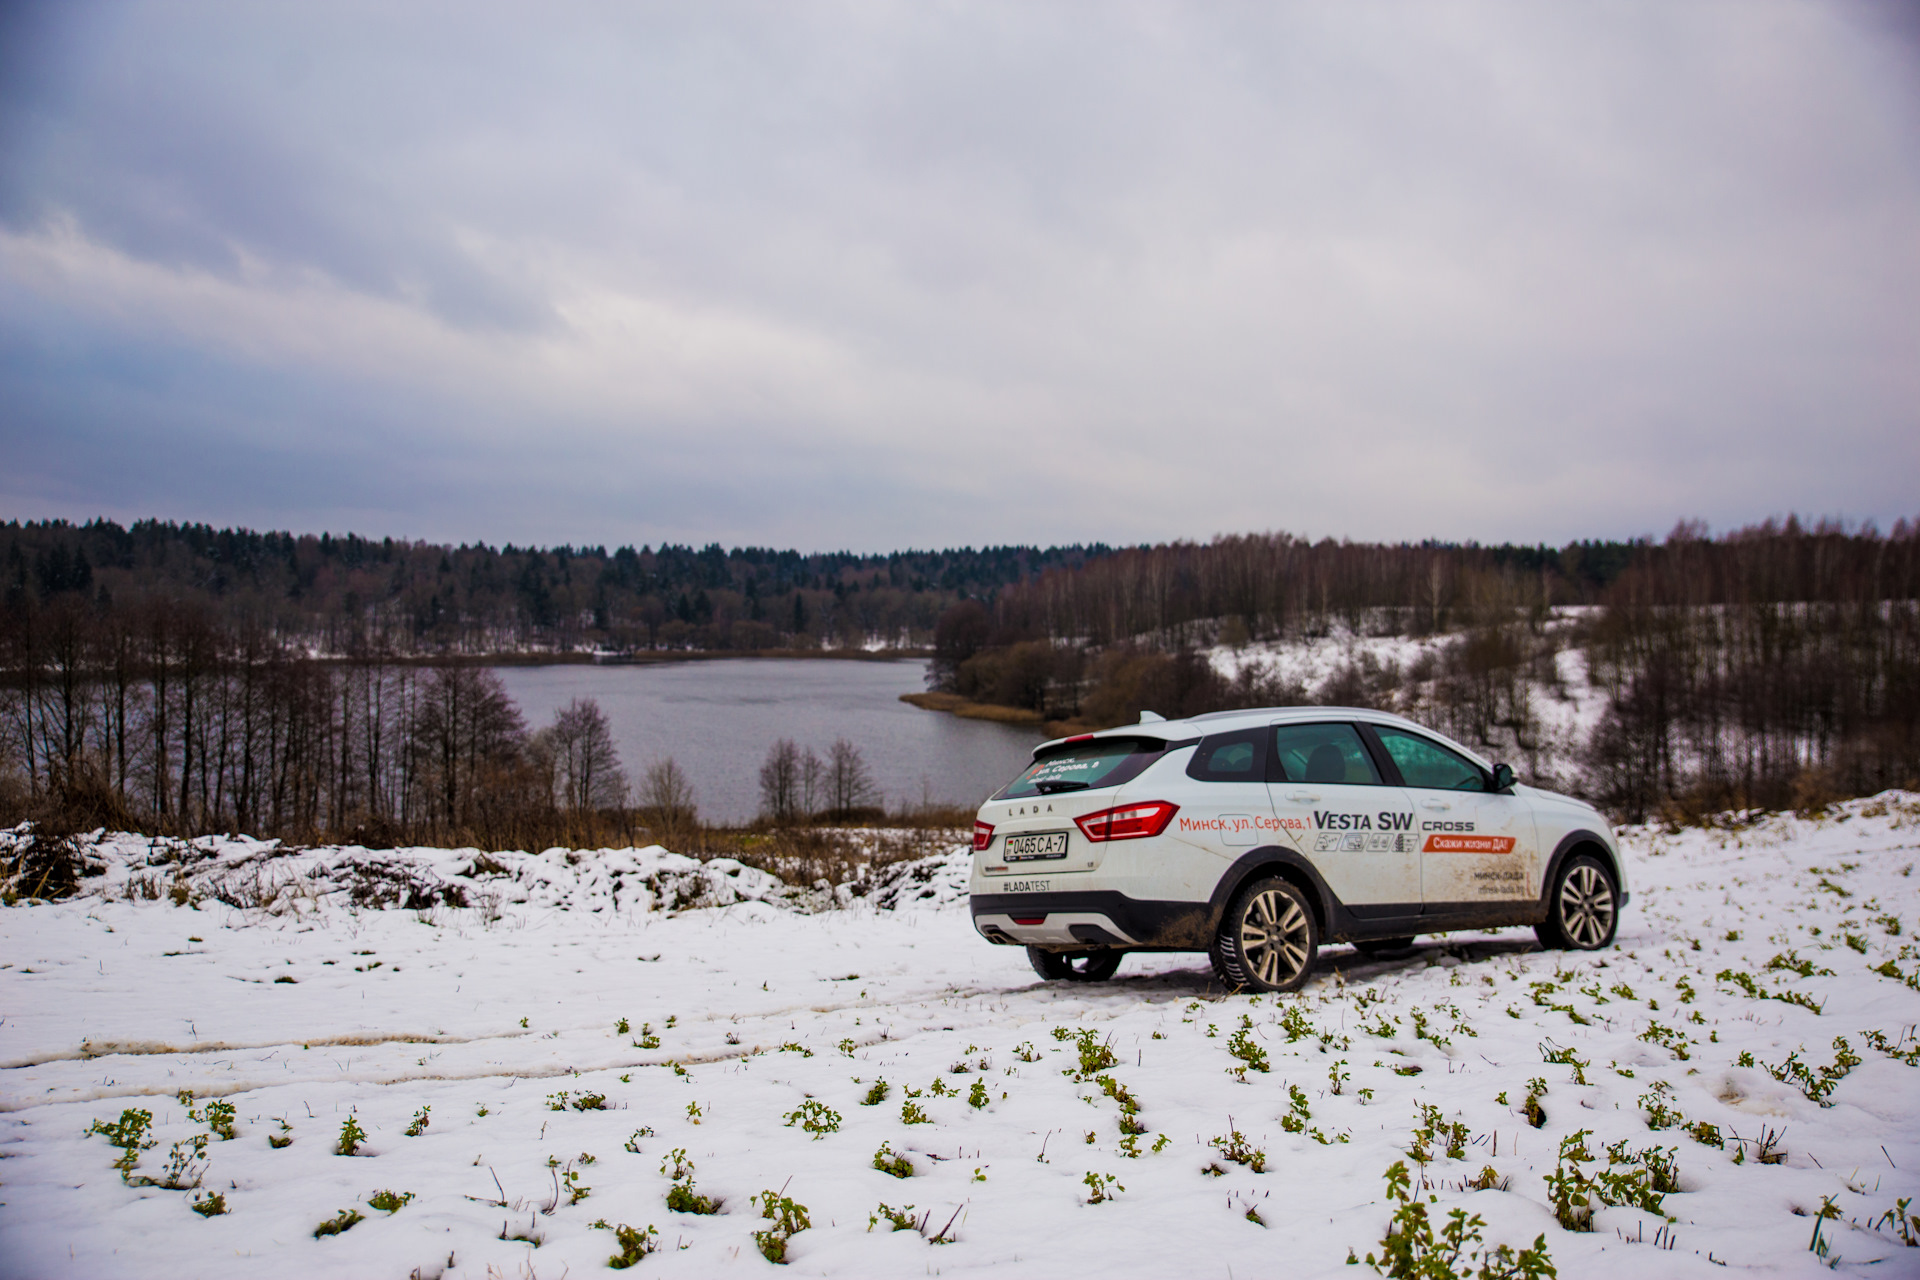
(1257, 836)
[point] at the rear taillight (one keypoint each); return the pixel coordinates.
(1128, 822)
(982, 835)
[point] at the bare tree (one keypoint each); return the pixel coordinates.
(584, 762)
(813, 775)
(780, 781)
(849, 782)
(668, 800)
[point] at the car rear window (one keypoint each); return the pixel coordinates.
(1084, 766)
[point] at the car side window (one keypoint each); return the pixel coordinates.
(1425, 763)
(1331, 753)
(1229, 757)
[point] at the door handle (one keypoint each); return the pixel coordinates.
(1304, 797)
(1439, 806)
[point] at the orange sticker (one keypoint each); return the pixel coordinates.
(1468, 844)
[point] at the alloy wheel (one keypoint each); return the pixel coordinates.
(1586, 907)
(1275, 935)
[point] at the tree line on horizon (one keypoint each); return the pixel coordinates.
(183, 679)
(343, 596)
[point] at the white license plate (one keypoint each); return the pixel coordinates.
(1035, 845)
(1025, 886)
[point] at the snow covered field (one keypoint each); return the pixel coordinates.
(556, 1053)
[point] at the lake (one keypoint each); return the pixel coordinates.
(718, 718)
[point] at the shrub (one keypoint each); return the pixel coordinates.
(1412, 1251)
(634, 1245)
(342, 1221)
(351, 1137)
(788, 1217)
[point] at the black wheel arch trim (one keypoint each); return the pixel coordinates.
(1569, 844)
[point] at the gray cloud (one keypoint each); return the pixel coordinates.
(872, 276)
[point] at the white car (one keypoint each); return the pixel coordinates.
(1256, 836)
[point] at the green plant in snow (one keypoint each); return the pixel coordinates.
(1565, 1058)
(220, 1118)
(210, 1205)
(1101, 1187)
(875, 1095)
(1642, 1179)
(1790, 962)
(1707, 1135)
(1095, 1056)
(1536, 1089)
(977, 1096)
(1828, 1209)
(902, 1218)
(815, 1117)
(1816, 1084)
(1025, 1052)
(912, 1113)
(342, 1221)
(1236, 1148)
(634, 1245)
(1412, 1250)
(1436, 1132)
(1907, 1224)
(1672, 1041)
(1659, 1114)
(1899, 1049)
(891, 1162)
(647, 1040)
(1242, 1046)
(789, 1218)
(1295, 1121)
(1337, 1077)
(390, 1202)
(351, 1136)
(129, 1133)
(421, 1119)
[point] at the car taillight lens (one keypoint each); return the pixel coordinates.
(982, 835)
(1128, 822)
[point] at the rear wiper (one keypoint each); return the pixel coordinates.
(1055, 787)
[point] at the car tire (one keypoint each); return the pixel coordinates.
(1268, 939)
(1383, 946)
(1584, 908)
(1074, 966)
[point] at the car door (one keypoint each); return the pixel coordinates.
(1352, 826)
(1231, 810)
(1476, 847)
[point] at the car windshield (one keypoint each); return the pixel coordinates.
(1083, 766)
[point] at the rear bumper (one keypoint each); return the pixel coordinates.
(1091, 918)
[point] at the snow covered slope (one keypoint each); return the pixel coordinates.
(553, 1054)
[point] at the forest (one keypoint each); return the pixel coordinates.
(1772, 665)
(177, 679)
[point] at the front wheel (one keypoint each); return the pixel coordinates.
(1584, 910)
(1074, 966)
(1268, 939)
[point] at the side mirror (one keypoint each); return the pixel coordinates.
(1503, 778)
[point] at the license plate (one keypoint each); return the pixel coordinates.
(1035, 845)
(1025, 886)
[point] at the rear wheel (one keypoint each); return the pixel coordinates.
(1268, 939)
(1584, 910)
(1074, 966)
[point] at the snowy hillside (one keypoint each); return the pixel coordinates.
(538, 1049)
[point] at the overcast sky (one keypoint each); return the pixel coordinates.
(921, 274)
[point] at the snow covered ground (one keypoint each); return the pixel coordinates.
(554, 1054)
